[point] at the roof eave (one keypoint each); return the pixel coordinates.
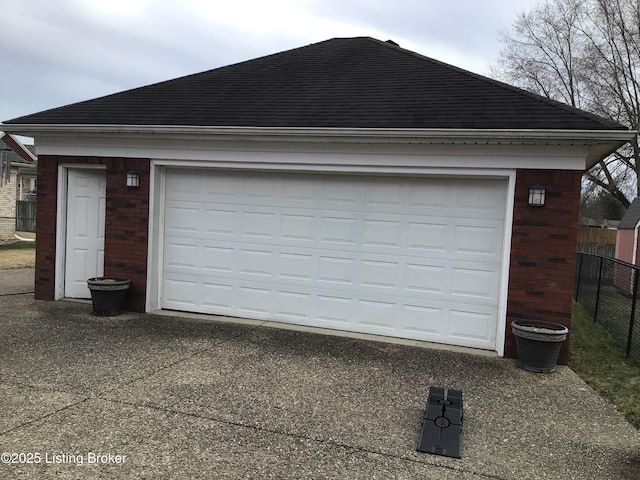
(600, 142)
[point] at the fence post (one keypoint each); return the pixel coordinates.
(577, 289)
(595, 310)
(633, 310)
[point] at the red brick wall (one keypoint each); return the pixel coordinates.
(543, 252)
(46, 207)
(126, 226)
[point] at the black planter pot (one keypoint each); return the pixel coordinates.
(108, 294)
(538, 344)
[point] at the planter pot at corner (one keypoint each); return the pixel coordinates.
(107, 294)
(538, 344)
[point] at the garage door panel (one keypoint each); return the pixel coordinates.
(420, 321)
(185, 187)
(195, 295)
(218, 297)
(428, 236)
(181, 292)
(293, 306)
(427, 278)
(479, 200)
(378, 315)
(375, 273)
(218, 259)
(335, 271)
(255, 301)
(435, 200)
(474, 283)
(217, 188)
(219, 221)
(254, 263)
(392, 256)
(296, 266)
(181, 256)
(334, 310)
(475, 239)
(259, 224)
(382, 233)
(183, 219)
(475, 328)
(380, 274)
(298, 227)
(443, 322)
(338, 230)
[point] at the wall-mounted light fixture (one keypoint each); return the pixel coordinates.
(133, 179)
(537, 194)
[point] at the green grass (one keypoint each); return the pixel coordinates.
(600, 362)
(18, 246)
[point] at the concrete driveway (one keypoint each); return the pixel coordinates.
(155, 396)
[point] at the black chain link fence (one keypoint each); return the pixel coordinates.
(608, 289)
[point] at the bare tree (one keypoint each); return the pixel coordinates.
(585, 53)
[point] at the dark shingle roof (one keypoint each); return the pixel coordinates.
(6, 152)
(631, 216)
(343, 82)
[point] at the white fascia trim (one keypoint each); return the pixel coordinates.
(307, 134)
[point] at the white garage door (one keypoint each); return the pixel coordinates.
(414, 258)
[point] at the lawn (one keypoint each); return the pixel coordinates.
(17, 255)
(600, 362)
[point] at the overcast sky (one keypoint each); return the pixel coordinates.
(56, 52)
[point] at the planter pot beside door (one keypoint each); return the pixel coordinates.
(538, 344)
(107, 294)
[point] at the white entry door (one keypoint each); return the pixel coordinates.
(84, 254)
(414, 258)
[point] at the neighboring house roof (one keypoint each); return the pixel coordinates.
(14, 159)
(17, 152)
(343, 82)
(631, 217)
